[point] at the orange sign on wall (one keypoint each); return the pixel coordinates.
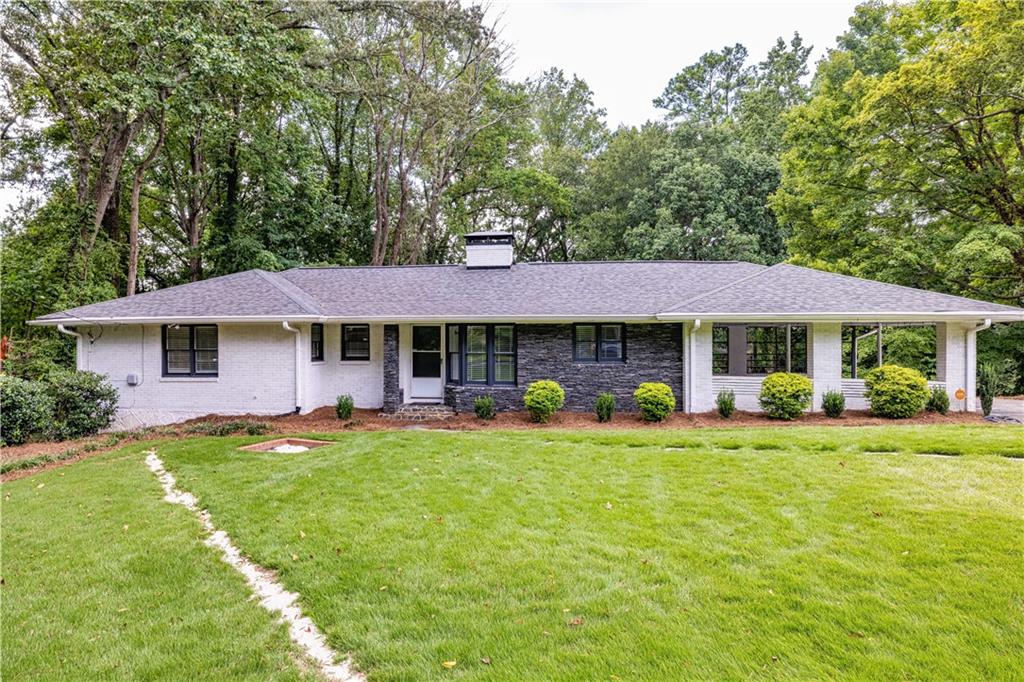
(960, 394)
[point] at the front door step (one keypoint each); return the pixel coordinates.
(418, 412)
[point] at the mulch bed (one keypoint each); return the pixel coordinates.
(324, 420)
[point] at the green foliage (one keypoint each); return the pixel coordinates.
(228, 428)
(26, 410)
(83, 403)
(938, 400)
(655, 401)
(725, 403)
(895, 392)
(994, 379)
(483, 407)
(343, 406)
(785, 395)
(605, 407)
(543, 398)
(833, 404)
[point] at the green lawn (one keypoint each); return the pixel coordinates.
(797, 552)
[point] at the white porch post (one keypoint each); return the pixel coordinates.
(699, 378)
(955, 362)
(825, 359)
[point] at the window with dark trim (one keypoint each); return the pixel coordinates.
(481, 354)
(316, 342)
(189, 350)
(599, 343)
(355, 342)
(719, 349)
(776, 348)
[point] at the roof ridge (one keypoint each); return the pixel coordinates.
(292, 291)
(568, 262)
(733, 283)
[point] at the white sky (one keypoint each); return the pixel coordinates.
(628, 51)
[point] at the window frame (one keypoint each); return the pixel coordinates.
(463, 351)
(316, 347)
(786, 341)
(716, 354)
(192, 373)
(598, 343)
(345, 355)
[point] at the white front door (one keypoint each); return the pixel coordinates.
(427, 375)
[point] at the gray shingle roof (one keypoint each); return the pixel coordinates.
(528, 290)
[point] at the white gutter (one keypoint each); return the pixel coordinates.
(298, 364)
(969, 398)
(79, 345)
(861, 316)
(63, 330)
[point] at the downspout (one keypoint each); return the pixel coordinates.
(691, 382)
(969, 398)
(78, 343)
(298, 365)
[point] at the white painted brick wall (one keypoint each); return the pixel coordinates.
(825, 359)
(700, 366)
(955, 353)
(326, 380)
(256, 371)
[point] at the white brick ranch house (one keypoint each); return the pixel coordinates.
(270, 343)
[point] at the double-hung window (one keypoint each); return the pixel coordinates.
(599, 343)
(189, 350)
(355, 342)
(481, 354)
(316, 342)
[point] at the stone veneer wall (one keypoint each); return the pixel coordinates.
(392, 391)
(654, 352)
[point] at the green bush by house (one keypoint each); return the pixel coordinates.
(543, 398)
(785, 395)
(26, 410)
(833, 403)
(484, 407)
(938, 401)
(344, 406)
(655, 401)
(605, 407)
(725, 403)
(895, 392)
(65, 404)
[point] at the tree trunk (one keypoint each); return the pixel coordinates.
(133, 219)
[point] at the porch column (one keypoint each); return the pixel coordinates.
(699, 380)
(392, 391)
(825, 359)
(954, 362)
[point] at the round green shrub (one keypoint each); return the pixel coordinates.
(938, 400)
(344, 406)
(895, 392)
(655, 401)
(484, 407)
(543, 398)
(83, 403)
(833, 404)
(725, 402)
(26, 410)
(785, 395)
(605, 407)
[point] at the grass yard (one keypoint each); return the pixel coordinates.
(797, 552)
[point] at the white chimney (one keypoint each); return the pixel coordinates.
(489, 250)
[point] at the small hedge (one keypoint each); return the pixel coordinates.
(895, 392)
(343, 407)
(938, 400)
(484, 407)
(785, 395)
(543, 399)
(725, 403)
(655, 401)
(26, 410)
(83, 403)
(605, 407)
(833, 403)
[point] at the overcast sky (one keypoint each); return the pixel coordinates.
(627, 51)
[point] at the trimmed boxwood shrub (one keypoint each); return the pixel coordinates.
(484, 407)
(725, 402)
(344, 406)
(26, 410)
(543, 398)
(605, 407)
(655, 401)
(785, 395)
(833, 403)
(895, 392)
(938, 400)
(83, 403)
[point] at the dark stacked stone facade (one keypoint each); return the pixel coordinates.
(392, 392)
(654, 352)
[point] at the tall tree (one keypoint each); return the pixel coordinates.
(709, 90)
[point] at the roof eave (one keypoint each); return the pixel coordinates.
(170, 319)
(897, 316)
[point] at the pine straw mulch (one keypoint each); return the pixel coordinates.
(24, 460)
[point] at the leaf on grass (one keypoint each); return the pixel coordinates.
(124, 527)
(607, 505)
(295, 557)
(301, 534)
(486, 660)
(449, 664)
(383, 588)
(576, 622)
(40, 486)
